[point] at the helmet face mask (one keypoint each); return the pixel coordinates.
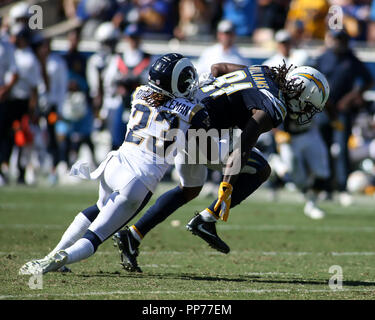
(306, 114)
(173, 75)
(312, 94)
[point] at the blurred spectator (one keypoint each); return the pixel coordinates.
(126, 71)
(8, 78)
(93, 13)
(287, 51)
(107, 36)
(243, 15)
(195, 19)
(103, 91)
(272, 14)
(70, 8)
(356, 17)
(312, 14)
(371, 25)
(224, 50)
(76, 61)
(77, 112)
(52, 95)
(152, 16)
(23, 96)
(19, 13)
(348, 78)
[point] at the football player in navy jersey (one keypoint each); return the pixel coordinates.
(254, 99)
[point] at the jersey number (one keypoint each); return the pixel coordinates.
(163, 121)
(228, 84)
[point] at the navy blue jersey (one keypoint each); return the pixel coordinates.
(230, 98)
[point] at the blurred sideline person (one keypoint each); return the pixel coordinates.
(8, 77)
(129, 176)
(304, 158)
(303, 153)
(258, 99)
(127, 71)
(80, 116)
(288, 51)
(105, 99)
(224, 50)
(23, 98)
(52, 92)
(349, 78)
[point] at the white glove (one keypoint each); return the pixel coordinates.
(205, 78)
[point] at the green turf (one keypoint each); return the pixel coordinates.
(276, 252)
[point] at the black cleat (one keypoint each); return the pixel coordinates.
(128, 248)
(207, 231)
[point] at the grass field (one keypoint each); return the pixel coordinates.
(276, 252)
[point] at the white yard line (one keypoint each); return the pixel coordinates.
(175, 292)
(262, 253)
(229, 227)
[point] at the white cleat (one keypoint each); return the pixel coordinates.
(312, 211)
(44, 265)
(345, 199)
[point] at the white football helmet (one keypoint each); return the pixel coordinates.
(314, 95)
(106, 32)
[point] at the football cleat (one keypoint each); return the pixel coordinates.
(312, 211)
(128, 248)
(207, 231)
(45, 265)
(64, 269)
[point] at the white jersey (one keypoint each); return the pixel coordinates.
(150, 143)
(28, 71)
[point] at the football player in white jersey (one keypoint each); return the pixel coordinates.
(255, 99)
(129, 176)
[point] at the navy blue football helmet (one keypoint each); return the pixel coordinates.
(173, 75)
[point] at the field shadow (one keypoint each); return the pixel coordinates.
(223, 278)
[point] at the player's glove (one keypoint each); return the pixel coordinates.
(224, 200)
(282, 137)
(206, 78)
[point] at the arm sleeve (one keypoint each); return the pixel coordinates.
(200, 118)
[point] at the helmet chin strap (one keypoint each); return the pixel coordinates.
(160, 90)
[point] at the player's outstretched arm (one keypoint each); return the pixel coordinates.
(219, 69)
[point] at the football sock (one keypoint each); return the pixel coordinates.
(164, 206)
(245, 185)
(135, 233)
(81, 250)
(91, 212)
(208, 216)
(74, 232)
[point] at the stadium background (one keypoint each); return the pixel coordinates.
(189, 27)
(277, 253)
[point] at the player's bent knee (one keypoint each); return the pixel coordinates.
(191, 192)
(265, 173)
